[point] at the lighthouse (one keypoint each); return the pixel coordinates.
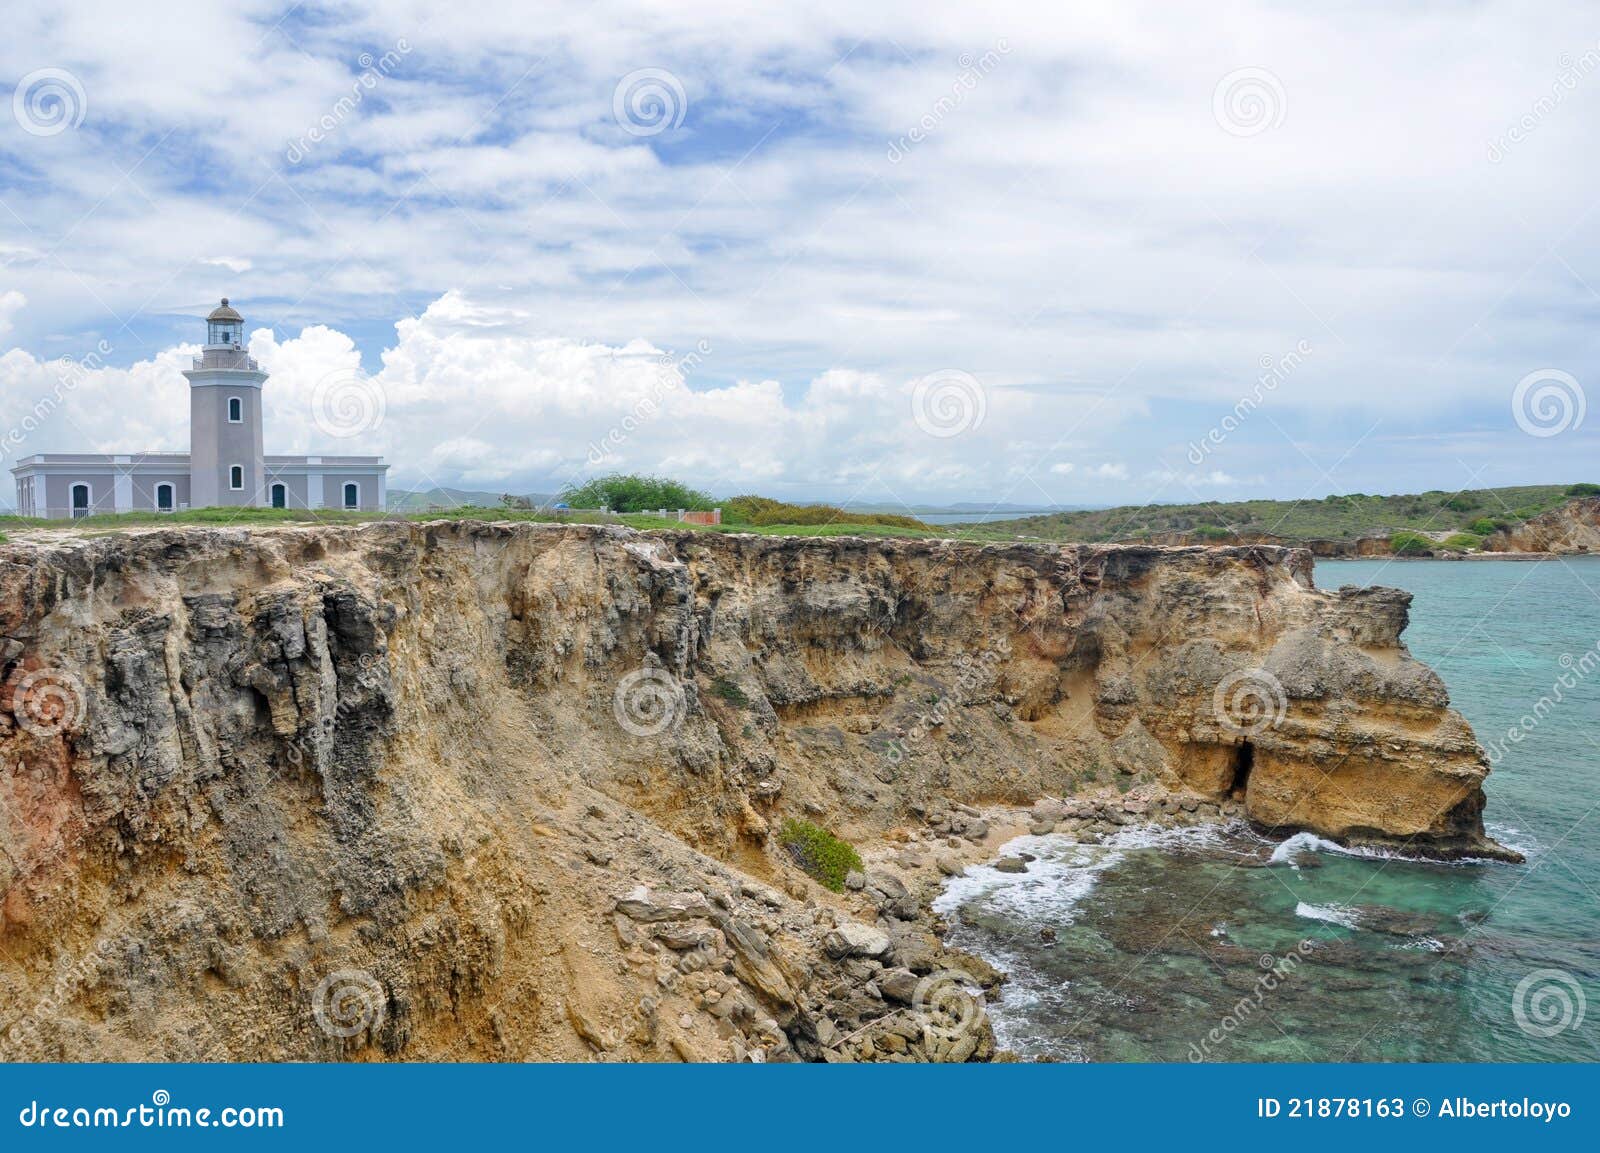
(225, 465)
(227, 461)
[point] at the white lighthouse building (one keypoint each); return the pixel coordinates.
(226, 464)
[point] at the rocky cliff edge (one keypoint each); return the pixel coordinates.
(487, 791)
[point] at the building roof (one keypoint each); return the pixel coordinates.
(223, 312)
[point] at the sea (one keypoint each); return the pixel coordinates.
(1226, 944)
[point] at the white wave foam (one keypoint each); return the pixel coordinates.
(1514, 838)
(1426, 944)
(1329, 914)
(1285, 853)
(1288, 850)
(1219, 837)
(1062, 873)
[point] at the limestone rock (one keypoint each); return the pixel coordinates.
(853, 939)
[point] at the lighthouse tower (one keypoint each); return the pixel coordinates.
(226, 461)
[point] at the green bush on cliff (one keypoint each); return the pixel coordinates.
(730, 691)
(823, 856)
(762, 511)
(1410, 544)
(1584, 489)
(632, 493)
(1463, 540)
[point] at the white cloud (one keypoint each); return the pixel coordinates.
(1111, 470)
(1079, 234)
(11, 303)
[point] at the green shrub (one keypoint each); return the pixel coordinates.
(631, 493)
(729, 691)
(823, 856)
(1584, 489)
(763, 511)
(1483, 526)
(1463, 540)
(1461, 502)
(1410, 544)
(1212, 532)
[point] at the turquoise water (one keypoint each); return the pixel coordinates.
(1198, 946)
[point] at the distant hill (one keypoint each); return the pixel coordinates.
(962, 507)
(1474, 512)
(420, 500)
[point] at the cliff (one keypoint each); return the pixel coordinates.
(1572, 528)
(488, 791)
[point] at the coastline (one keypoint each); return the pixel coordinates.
(923, 862)
(919, 862)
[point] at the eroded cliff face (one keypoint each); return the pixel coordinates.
(473, 791)
(1572, 528)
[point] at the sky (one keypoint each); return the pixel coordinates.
(901, 253)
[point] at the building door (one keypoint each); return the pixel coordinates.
(352, 496)
(163, 498)
(280, 496)
(80, 500)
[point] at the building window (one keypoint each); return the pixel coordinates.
(236, 477)
(235, 410)
(280, 496)
(163, 498)
(352, 496)
(80, 500)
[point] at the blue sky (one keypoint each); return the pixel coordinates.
(928, 252)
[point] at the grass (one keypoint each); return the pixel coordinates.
(763, 511)
(1347, 517)
(1478, 512)
(224, 517)
(823, 856)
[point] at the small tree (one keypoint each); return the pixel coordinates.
(621, 492)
